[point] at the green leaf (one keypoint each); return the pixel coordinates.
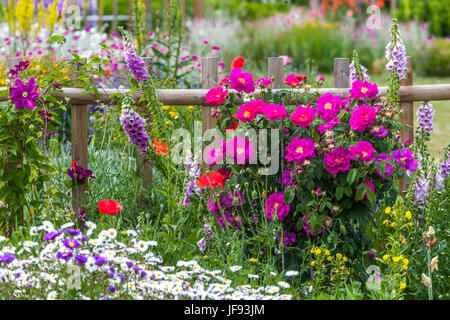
(339, 193)
(352, 176)
(289, 195)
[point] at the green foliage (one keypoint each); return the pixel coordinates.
(437, 58)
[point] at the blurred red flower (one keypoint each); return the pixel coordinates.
(109, 207)
(238, 63)
(211, 180)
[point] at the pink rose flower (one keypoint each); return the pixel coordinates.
(364, 150)
(363, 89)
(216, 96)
(362, 118)
(338, 160)
(241, 81)
(274, 111)
(300, 149)
(328, 106)
(303, 116)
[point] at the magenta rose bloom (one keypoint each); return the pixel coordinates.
(328, 106)
(240, 150)
(247, 112)
(215, 156)
(303, 116)
(241, 81)
(362, 118)
(388, 167)
(275, 205)
(292, 80)
(379, 131)
(300, 149)
(274, 112)
(363, 90)
(338, 160)
(24, 95)
(364, 150)
(216, 96)
(405, 159)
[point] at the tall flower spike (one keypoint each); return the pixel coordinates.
(425, 114)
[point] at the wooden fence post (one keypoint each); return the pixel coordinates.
(406, 115)
(144, 167)
(79, 123)
(275, 70)
(341, 73)
(115, 12)
(210, 79)
(199, 9)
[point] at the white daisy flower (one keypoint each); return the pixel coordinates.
(283, 284)
(67, 225)
(90, 264)
(52, 295)
(112, 233)
(142, 246)
(291, 273)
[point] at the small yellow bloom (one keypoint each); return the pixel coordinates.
(327, 252)
(393, 224)
(386, 257)
(312, 263)
(345, 259)
(342, 268)
(329, 258)
(318, 251)
(408, 215)
(405, 261)
(396, 259)
(338, 255)
(402, 286)
(124, 233)
(165, 107)
(205, 257)
(404, 267)
(386, 221)
(387, 210)
(313, 250)
(253, 260)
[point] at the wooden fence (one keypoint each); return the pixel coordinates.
(408, 93)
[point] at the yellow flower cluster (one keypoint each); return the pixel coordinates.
(395, 218)
(324, 261)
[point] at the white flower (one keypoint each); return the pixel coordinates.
(95, 242)
(291, 273)
(283, 284)
(52, 295)
(112, 233)
(67, 225)
(34, 231)
(90, 264)
(142, 246)
(235, 268)
(48, 226)
(253, 276)
(91, 225)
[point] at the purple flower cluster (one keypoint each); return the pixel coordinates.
(136, 65)
(396, 56)
(134, 125)
(405, 159)
(422, 190)
(227, 205)
(7, 258)
(79, 173)
(193, 171)
(425, 114)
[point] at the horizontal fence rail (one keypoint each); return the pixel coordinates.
(434, 92)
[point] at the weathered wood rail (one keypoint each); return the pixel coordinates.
(408, 93)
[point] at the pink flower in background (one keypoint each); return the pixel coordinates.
(264, 82)
(405, 159)
(363, 89)
(387, 166)
(215, 156)
(338, 160)
(379, 131)
(216, 96)
(300, 149)
(224, 82)
(303, 116)
(292, 81)
(328, 106)
(286, 60)
(275, 205)
(24, 95)
(364, 150)
(320, 79)
(274, 111)
(215, 48)
(241, 81)
(362, 118)
(328, 126)
(311, 230)
(370, 185)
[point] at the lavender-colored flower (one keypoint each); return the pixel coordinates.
(405, 159)
(24, 95)
(64, 255)
(71, 231)
(425, 114)
(353, 78)
(81, 259)
(51, 235)
(134, 126)
(71, 243)
(136, 65)
(445, 168)
(202, 244)
(112, 289)
(193, 171)
(422, 190)
(396, 56)
(99, 260)
(439, 181)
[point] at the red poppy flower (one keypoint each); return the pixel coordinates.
(74, 165)
(109, 207)
(233, 126)
(160, 147)
(301, 78)
(238, 63)
(108, 72)
(211, 180)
